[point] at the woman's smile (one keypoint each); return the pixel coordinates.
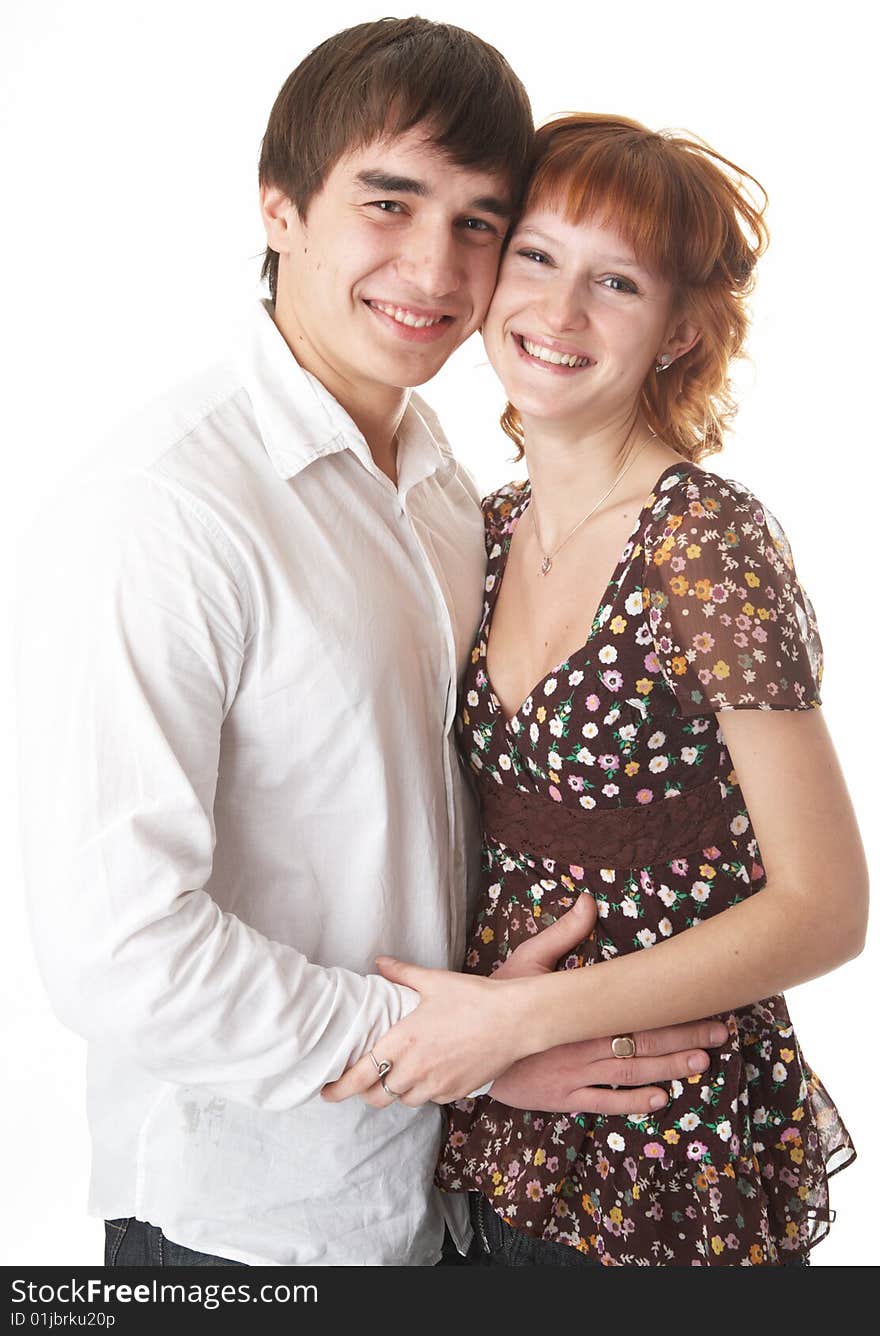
(549, 355)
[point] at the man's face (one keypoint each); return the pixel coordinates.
(393, 266)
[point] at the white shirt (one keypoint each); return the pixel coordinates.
(240, 646)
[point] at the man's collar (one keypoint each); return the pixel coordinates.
(300, 421)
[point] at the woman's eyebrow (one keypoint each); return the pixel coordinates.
(561, 242)
(625, 260)
(629, 260)
(536, 232)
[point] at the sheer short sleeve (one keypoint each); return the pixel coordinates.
(732, 627)
(499, 508)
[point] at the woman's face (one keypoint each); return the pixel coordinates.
(576, 323)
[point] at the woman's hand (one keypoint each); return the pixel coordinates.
(462, 1034)
(465, 1030)
(563, 1079)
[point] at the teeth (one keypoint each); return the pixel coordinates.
(404, 317)
(548, 355)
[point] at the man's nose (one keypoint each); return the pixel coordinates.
(430, 264)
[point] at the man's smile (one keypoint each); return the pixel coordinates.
(417, 324)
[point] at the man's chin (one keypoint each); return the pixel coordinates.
(440, 361)
(408, 373)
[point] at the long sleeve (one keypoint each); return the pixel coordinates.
(134, 627)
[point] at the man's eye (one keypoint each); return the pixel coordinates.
(478, 225)
(387, 205)
(618, 284)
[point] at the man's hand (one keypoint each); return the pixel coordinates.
(568, 1079)
(541, 954)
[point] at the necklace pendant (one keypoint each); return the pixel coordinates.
(545, 565)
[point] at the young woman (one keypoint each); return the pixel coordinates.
(642, 716)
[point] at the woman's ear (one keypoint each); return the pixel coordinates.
(680, 339)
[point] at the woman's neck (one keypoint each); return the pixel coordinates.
(570, 472)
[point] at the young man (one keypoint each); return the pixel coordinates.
(240, 653)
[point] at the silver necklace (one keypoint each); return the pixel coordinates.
(549, 557)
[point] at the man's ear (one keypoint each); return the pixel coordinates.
(280, 219)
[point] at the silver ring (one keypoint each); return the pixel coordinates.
(392, 1094)
(383, 1067)
(623, 1046)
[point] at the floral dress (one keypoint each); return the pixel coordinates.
(613, 777)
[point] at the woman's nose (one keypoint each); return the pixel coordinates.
(564, 308)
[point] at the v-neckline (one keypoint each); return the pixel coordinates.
(551, 672)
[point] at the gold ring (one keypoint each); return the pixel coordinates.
(623, 1046)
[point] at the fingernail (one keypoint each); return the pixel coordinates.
(719, 1034)
(697, 1063)
(658, 1101)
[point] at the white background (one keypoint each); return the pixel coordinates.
(130, 231)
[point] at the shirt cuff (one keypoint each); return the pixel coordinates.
(483, 1090)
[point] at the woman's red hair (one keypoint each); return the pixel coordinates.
(689, 215)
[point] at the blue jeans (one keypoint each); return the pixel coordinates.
(498, 1244)
(132, 1243)
(129, 1242)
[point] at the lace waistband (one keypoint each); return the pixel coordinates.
(624, 837)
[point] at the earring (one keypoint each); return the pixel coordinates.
(664, 362)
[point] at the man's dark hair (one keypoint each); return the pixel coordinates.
(382, 79)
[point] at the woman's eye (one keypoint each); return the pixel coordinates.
(538, 256)
(618, 284)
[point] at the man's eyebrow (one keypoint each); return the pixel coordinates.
(395, 185)
(375, 179)
(491, 204)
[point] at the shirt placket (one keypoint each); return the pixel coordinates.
(448, 681)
